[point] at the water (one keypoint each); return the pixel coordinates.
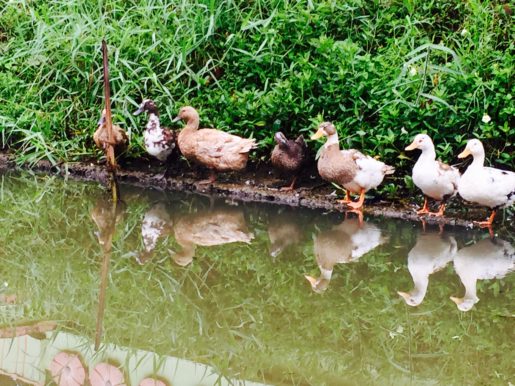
(193, 290)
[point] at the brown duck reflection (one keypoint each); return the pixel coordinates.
(343, 243)
(284, 229)
(106, 220)
(157, 223)
(485, 260)
(220, 225)
(431, 253)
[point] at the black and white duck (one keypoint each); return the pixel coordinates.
(159, 141)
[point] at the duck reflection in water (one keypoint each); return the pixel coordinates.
(220, 225)
(106, 219)
(285, 228)
(484, 260)
(432, 252)
(343, 243)
(157, 223)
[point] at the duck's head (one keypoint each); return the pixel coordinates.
(421, 141)
(324, 129)
(186, 114)
(319, 285)
(147, 106)
(464, 304)
(474, 147)
(280, 139)
(102, 119)
(410, 299)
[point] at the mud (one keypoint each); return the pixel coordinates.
(258, 184)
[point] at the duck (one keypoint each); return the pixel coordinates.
(356, 172)
(486, 186)
(288, 157)
(214, 149)
(159, 141)
(431, 253)
(436, 179)
(101, 137)
(218, 226)
(284, 229)
(342, 244)
(485, 260)
(157, 223)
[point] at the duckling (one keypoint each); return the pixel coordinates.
(431, 253)
(437, 180)
(101, 138)
(485, 260)
(356, 172)
(159, 141)
(289, 156)
(490, 187)
(214, 149)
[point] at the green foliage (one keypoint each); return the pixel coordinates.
(382, 70)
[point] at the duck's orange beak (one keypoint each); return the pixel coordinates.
(413, 146)
(311, 280)
(456, 300)
(405, 295)
(464, 153)
(319, 134)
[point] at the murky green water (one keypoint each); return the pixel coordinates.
(201, 292)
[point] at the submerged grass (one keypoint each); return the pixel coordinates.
(383, 71)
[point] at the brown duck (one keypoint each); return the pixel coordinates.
(101, 137)
(353, 170)
(216, 150)
(288, 156)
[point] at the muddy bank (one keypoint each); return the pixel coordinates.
(259, 184)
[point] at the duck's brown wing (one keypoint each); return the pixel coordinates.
(215, 143)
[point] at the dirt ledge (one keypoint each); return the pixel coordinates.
(256, 187)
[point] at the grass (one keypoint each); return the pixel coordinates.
(382, 71)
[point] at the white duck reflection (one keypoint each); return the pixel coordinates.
(208, 228)
(431, 253)
(343, 243)
(157, 223)
(486, 259)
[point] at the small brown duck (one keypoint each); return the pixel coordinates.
(289, 156)
(212, 148)
(101, 137)
(353, 170)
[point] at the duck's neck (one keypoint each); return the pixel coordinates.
(419, 292)
(192, 124)
(478, 162)
(470, 288)
(153, 122)
(428, 154)
(331, 140)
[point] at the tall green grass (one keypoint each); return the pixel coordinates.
(382, 70)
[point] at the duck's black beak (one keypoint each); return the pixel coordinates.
(138, 111)
(280, 138)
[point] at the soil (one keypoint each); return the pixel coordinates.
(257, 184)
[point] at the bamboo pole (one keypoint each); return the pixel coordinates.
(110, 156)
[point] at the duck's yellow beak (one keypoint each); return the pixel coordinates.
(456, 300)
(318, 134)
(413, 146)
(311, 280)
(405, 295)
(464, 153)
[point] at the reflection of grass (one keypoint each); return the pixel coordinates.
(237, 309)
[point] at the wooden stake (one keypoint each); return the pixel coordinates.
(110, 156)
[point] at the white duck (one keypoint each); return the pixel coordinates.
(437, 180)
(486, 259)
(342, 244)
(156, 223)
(356, 172)
(431, 253)
(494, 188)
